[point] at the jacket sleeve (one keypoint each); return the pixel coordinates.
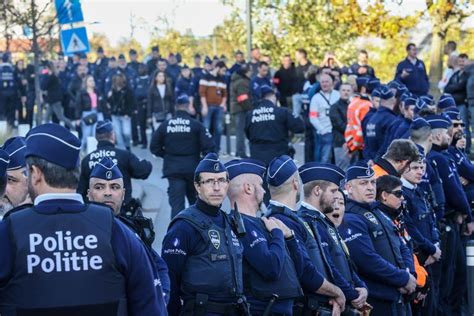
(139, 169)
(313, 113)
(205, 141)
(368, 261)
(337, 121)
(424, 243)
(295, 124)
(454, 87)
(157, 143)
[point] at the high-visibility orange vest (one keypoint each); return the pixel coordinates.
(356, 112)
(379, 171)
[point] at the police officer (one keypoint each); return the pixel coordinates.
(97, 265)
(128, 163)
(100, 68)
(133, 63)
(4, 161)
(267, 127)
(203, 253)
(377, 126)
(141, 101)
(270, 274)
(420, 223)
(320, 293)
(16, 193)
(106, 186)
(151, 64)
(185, 85)
(180, 141)
(402, 130)
(9, 90)
(374, 245)
(320, 183)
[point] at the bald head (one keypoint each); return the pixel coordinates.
(247, 191)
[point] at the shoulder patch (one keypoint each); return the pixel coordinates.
(371, 217)
(333, 234)
(215, 238)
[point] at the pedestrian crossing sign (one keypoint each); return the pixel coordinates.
(75, 41)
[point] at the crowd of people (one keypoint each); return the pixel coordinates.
(376, 219)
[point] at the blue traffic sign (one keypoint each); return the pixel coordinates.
(69, 11)
(75, 41)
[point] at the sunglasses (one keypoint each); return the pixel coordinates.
(459, 125)
(398, 193)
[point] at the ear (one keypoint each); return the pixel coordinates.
(36, 175)
(348, 187)
(384, 196)
(317, 190)
(248, 188)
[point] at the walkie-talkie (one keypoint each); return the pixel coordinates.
(237, 222)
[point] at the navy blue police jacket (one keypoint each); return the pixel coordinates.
(334, 247)
(417, 82)
(184, 86)
(271, 266)
(204, 256)
(465, 169)
(420, 219)
(371, 237)
(180, 141)
(456, 200)
(312, 277)
(255, 85)
(128, 163)
(338, 276)
(267, 127)
(377, 130)
(400, 129)
(432, 187)
(141, 89)
(117, 257)
(8, 82)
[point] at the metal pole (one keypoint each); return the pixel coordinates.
(248, 4)
(470, 275)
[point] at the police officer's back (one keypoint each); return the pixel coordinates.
(180, 141)
(97, 266)
(272, 259)
(9, 89)
(267, 127)
(203, 254)
(129, 164)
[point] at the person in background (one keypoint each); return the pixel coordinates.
(213, 93)
(338, 116)
(185, 85)
(254, 60)
(240, 103)
(301, 69)
(141, 100)
(361, 68)
(121, 105)
(88, 109)
(50, 83)
(260, 80)
(153, 61)
(319, 117)
(284, 80)
(412, 72)
(160, 99)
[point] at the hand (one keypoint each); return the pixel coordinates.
(430, 260)
(224, 107)
(109, 94)
(458, 218)
(403, 290)
(341, 301)
(461, 143)
(420, 296)
(464, 181)
(149, 121)
(437, 254)
(270, 224)
(204, 110)
(78, 122)
(469, 229)
(23, 100)
(191, 110)
(362, 70)
(405, 73)
(336, 309)
(361, 299)
(411, 285)
(288, 233)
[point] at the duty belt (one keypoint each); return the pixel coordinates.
(200, 306)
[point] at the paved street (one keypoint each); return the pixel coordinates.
(152, 192)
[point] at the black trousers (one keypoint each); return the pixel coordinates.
(180, 188)
(388, 308)
(8, 105)
(139, 125)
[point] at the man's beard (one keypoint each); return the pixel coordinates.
(326, 206)
(5, 205)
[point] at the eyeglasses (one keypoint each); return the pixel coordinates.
(459, 125)
(398, 193)
(213, 182)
